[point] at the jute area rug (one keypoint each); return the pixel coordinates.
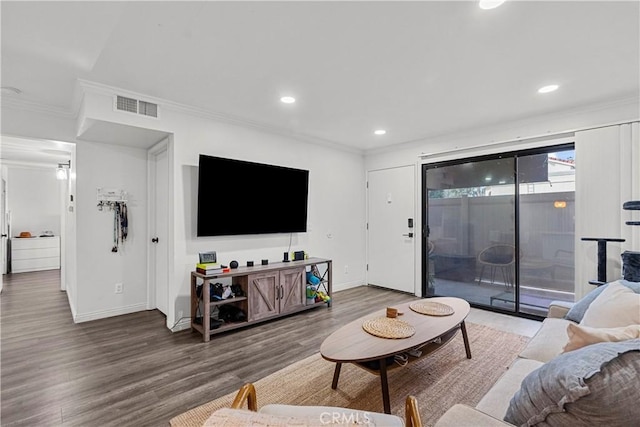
(439, 381)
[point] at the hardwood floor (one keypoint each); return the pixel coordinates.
(131, 370)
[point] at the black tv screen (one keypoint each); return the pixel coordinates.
(239, 197)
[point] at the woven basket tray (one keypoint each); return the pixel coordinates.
(432, 308)
(385, 327)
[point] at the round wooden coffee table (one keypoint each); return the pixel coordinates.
(352, 344)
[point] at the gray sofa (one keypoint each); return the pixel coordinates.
(596, 384)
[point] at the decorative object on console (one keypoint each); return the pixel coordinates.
(249, 263)
(207, 257)
(265, 262)
(233, 264)
(298, 256)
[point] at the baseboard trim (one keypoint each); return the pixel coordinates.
(183, 324)
(345, 286)
(86, 317)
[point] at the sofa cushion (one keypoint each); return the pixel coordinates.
(580, 336)
(596, 385)
(460, 415)
(576, 312)
(548, 342)
(496, 401)
(616, 306)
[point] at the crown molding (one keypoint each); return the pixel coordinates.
(37, 107)
(480, 131)
(202, 113)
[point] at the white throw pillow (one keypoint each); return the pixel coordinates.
(580, 336)
(616, 306)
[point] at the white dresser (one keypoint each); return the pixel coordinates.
(35, 253)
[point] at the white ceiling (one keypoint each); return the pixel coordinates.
(416, 69)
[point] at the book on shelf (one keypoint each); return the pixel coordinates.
(213, 271)
(208, 265)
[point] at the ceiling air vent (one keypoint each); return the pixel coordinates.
(147, 108)
(136, 106)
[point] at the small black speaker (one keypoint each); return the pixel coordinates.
(286, 257)
(265, 262)
(249, 263)
(233, 264)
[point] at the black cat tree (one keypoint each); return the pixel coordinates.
(630, 259)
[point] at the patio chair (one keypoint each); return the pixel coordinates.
(498, 257)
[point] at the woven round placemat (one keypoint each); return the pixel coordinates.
(431, 308)
(385, 327)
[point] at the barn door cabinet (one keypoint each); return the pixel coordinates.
(270, 291)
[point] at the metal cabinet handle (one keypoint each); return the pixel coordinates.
(408, 235)
(154, 240)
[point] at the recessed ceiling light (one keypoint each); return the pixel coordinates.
(288, 99)
(547, 89)
(9, 90)
(380, 132)
(490, 4)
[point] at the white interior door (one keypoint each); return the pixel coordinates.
(390, 240)
(3, 230)
(159, 233)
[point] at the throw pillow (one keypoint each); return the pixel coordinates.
(596, 385)
(580, 336)
(576, 313)
(615, 306)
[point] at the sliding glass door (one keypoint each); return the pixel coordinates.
(499, 230)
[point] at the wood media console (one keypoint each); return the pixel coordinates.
(269, 291)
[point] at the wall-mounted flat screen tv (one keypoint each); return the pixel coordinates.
(239, 197)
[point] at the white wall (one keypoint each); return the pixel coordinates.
(99, 269)
(336, 200)
(336, 203)
(534, 132)
(33, 197)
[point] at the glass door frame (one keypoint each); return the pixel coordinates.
(424, 199)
